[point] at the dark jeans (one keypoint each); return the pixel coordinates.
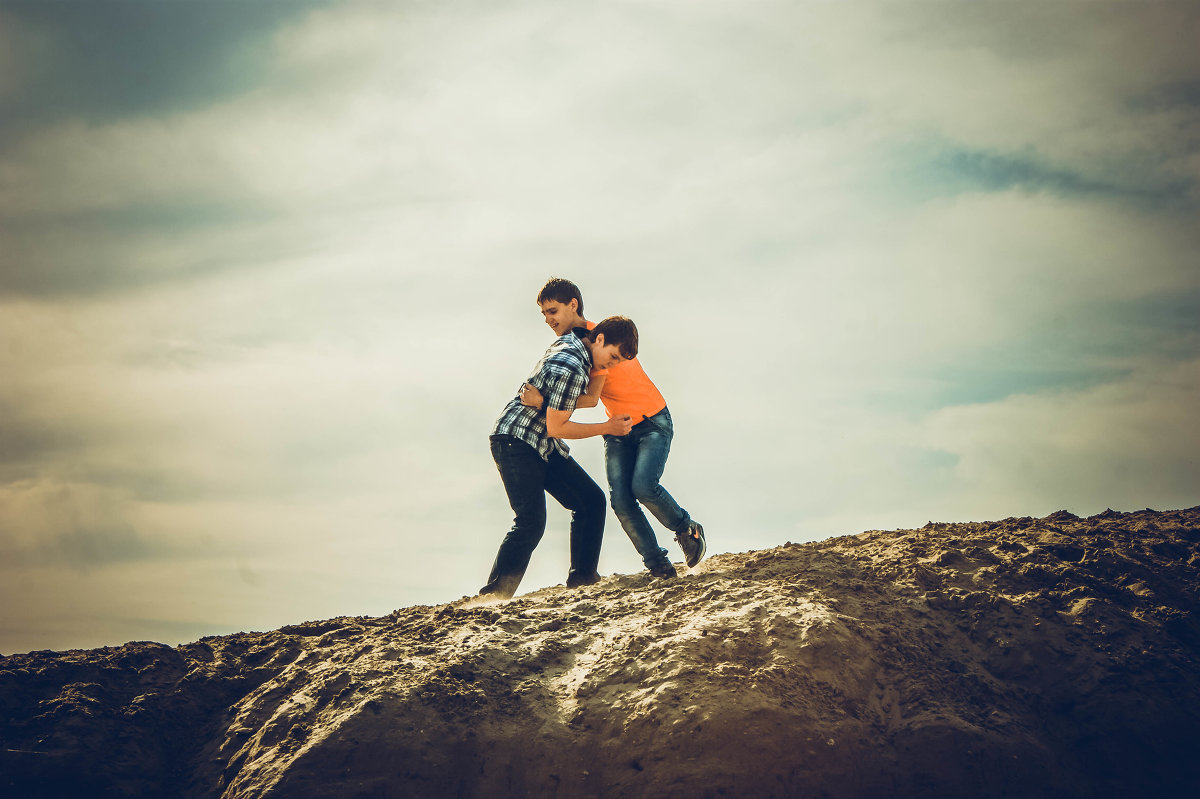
(527, 479)
(635, 464)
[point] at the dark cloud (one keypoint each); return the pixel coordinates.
(71, 524)
(83, 548)
(992, 381)
(24, 442)
(1140, 181)
(1164, 325)
(101, 60)
(1178, 96)
(61, 447)
(95, 252)
(1075, 349)
(1162, 31)
(83, 539)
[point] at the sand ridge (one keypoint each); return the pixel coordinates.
(1022, 657)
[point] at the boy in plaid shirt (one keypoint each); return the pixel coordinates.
(529, 447)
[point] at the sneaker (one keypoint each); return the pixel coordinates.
(664, 570)
(691, 541)
(577, 580)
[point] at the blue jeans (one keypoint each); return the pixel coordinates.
(527, 479)
(635, 464)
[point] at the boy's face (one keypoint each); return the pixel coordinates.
(605, 356)
(561, 318)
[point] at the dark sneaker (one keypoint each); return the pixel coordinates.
(575, 580)
(664, 570)
(691, 541)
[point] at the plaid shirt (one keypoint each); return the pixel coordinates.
(561, 375)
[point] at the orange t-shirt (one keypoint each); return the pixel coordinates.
(629, 390)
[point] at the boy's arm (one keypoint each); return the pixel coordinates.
(563, 387)
(589, 398)
(533, 398)
(559, 425)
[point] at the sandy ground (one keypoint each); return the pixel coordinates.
(1026, 657)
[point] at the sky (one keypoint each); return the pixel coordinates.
(268, 275)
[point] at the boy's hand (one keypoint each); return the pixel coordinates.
(618, 426)
(530, 396)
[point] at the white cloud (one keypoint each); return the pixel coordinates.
(1128, 444)
(277, 391)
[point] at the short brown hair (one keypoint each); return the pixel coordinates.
(619, 330)
(561, 290)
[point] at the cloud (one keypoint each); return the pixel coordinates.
(255, 327)
(1126, 443)
(120, 58)
(1121, 444)
(75, 525)
(953, 170)
(699, 127)
(1031, 94)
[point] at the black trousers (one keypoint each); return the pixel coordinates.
(527, 479)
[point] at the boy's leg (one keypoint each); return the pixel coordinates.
(568, 483)
(620, 463)
(524, 474)
(653, 447)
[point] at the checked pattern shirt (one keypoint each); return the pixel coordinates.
(561, 375)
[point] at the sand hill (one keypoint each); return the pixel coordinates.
(1055, 657)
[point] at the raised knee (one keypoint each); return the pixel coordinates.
(622, 501)
(644, 489)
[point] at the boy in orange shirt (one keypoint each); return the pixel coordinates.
(635, 462)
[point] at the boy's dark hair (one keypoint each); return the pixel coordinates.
(561, 290)
(619, 330)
